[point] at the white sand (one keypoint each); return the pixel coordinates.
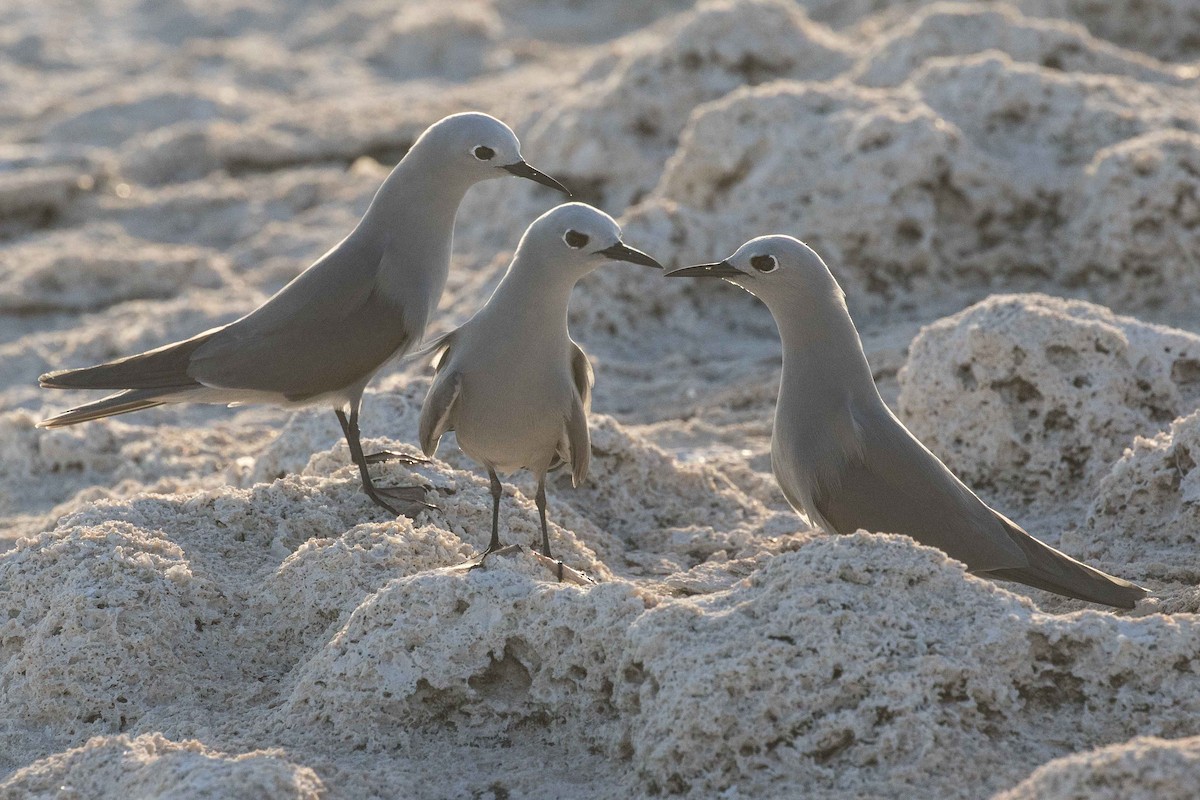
(200, 602)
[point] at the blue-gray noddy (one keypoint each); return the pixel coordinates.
(510, 382)
(320, 339)
(845, 461)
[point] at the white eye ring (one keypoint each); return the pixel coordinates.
(575, 240)
(483, 152)
(765, 263)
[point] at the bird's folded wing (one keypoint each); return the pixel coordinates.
(582, 375)
(578, 441)
(576, 445)
(164, 367)
(326, 330)
(437, 409)
(301, 362)
(895, 485)
(1055, 571)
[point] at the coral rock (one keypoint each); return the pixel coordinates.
(1035, 396)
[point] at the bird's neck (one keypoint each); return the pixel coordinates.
(416, 192)
(410, 225)
(533, 299)
(824, 365)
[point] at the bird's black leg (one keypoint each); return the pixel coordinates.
(540, 499)
(494, 544)
(383, 455)
(409, 499)
(497, 491)
(541, 507)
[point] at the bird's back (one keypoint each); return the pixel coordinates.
(328, 329)
(894, 484)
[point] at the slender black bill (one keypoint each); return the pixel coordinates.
(721, 269)
(523, 170)
(622, 252)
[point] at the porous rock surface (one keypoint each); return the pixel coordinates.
(153, 767)
(891, 703)
(199, 601)
(1151, 497)
(54, 274)
(1146, 768)
(1035, 396)
(617, 129)
(1162, 28)
(958, 29)
(975, 168)
(1139, 227)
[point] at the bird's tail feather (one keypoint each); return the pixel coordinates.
(161, 368)
(120, 403)
(1055, 571)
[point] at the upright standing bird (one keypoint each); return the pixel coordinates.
(510, 382)
(321, 338)
(846, 462)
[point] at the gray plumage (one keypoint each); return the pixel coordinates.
(321, 338)
(510, 382)
(846, 462)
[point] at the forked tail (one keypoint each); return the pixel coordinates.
(120, 403)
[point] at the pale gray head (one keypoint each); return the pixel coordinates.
(774, 269)
(575, 238)
(478, 147)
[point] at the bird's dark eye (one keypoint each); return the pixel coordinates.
(764, 263)
(483, 153)
(575, 239)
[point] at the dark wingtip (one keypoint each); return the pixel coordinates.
(59, 379)
(1136, 593)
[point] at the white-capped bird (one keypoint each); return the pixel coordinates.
(510, 382)
(846, 462)
(320, 339)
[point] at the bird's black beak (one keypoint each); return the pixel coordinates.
(523, 170)
(622, 252)
(721, 269)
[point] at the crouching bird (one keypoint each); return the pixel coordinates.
(320, 339)
(510, 382)
(846, 462)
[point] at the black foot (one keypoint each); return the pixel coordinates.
(477, 561)
(408, 501)
(562, 572)
(558, 569)
(384, 456)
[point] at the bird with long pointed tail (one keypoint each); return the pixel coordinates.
(846, 462)
(320, 339)
(510, 382)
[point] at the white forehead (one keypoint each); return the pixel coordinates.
(576, 217)
(474, 127)
(785, 248)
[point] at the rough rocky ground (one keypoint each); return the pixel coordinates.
(198, 601)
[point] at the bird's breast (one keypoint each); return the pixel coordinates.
(511, 413)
